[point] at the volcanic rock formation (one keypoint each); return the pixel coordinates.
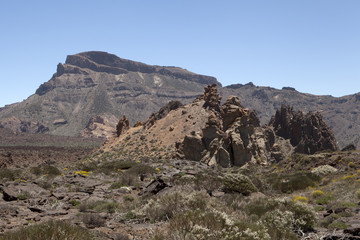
(307, 133)
(99, 127)
(226, 135)
(122, 126)
(232, 135)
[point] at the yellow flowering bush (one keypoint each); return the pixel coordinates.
(302, 199)
(82, 173)
(348, 177)
(317, 194)
(20, 180)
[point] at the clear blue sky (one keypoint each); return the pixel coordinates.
(312, 45)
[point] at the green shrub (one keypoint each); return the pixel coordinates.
(142, 169)
(129, 198)
(9, 174)
(129, 215)
(337, 225)
(168, 205)
(116, 185)
(323, 200)
(23, 196)
(293, 182)
(213, 225)
(304, 217)
(49, 230)
(50, 170)
(74, 202)
(208, 181)
(36, 171)
(238, 183)
(93, 220)
(99, 206)
(45, 184)
(45, 170)
(279, 224)
(114, 166)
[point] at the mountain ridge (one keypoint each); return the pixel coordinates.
(101, 85)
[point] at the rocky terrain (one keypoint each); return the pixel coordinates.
(204, 170)
(92, 90)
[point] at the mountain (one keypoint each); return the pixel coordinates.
(99, 85)
(92, 90)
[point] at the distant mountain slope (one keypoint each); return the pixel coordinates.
(341, 114)
(102, 86)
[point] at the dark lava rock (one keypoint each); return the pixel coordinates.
(350, 147)
(353, 231)
(122, 126)
(307, 133)
(154, 187)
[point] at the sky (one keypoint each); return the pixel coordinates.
(313, 46)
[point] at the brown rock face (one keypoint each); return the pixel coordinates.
(122, 126)
(307, 133)
(212, 98)
(99, 127)
(232, 135)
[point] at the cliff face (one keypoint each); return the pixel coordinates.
(308, 133)
(102, 85)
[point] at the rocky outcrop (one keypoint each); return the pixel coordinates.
(350, 147)
(232, 135)
(100, 127)
(340, 113)
(212, 99)
(307, 133)
(122, 126)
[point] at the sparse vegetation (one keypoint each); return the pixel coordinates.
(9, 174)
(288, 183)
(49, 230)
(93, 220)
(99, 206)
